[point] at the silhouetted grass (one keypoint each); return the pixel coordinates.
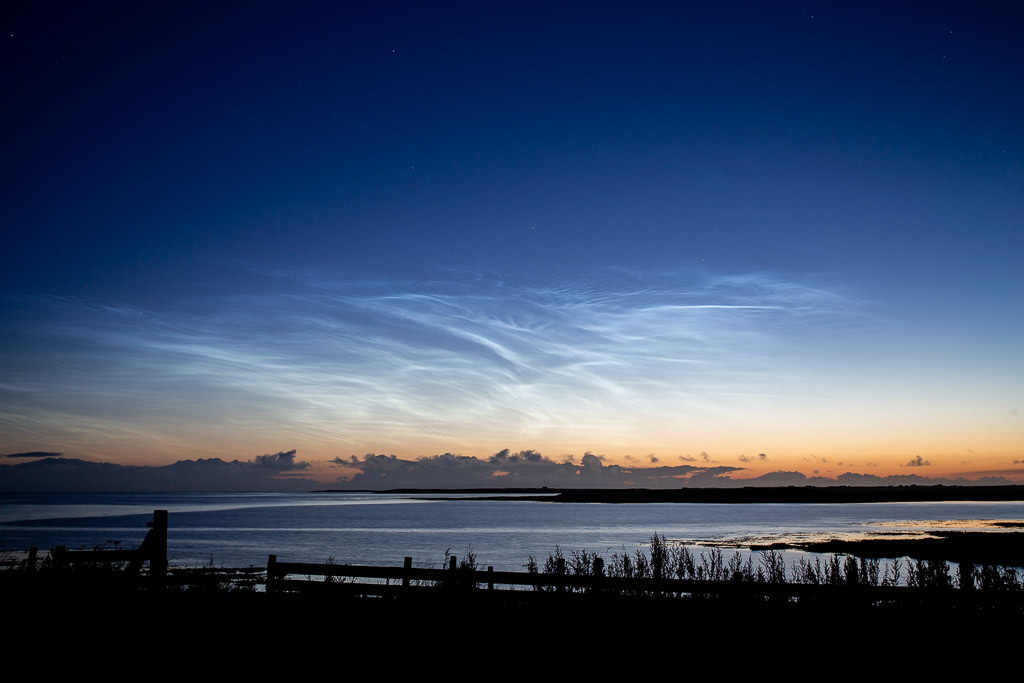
(660, 570)
(663, 560)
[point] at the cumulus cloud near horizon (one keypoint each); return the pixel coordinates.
(281, 471)
(282, 461)
(523, 469)
(530, 469)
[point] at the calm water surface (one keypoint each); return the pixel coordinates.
(241, 529)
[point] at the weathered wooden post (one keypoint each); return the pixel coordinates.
(30, 563)
(271, 573)
(598, 573)
(490, 577)
(453, 581)
(560, 571)
(406, 568)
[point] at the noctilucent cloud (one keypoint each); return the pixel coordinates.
(769, 236)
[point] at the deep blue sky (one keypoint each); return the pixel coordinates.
(369, 201)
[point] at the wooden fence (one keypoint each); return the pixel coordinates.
(152, 550)
(385, 581)
(470, 582)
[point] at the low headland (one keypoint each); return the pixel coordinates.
(744, 495)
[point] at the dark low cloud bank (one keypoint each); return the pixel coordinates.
(525, 469)
(33, 454)
(268, 472)
(529, 469)
(282, 471)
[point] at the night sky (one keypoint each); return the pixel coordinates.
(748, 235)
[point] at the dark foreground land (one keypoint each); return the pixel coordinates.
(444, 636)
(570, 625)
(687, 613)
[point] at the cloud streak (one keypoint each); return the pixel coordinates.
(465, 358)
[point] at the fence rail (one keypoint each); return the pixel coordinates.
(392, 581)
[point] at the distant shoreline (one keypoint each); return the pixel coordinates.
(974, 547)
(747, 495)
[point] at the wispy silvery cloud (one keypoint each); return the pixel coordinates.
(462, 359)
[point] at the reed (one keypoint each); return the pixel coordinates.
(664, 560)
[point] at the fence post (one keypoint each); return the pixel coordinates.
(406, 566)
(560, 571)
(272, 573)
(30, 563)
(490, 577)
(598, 573)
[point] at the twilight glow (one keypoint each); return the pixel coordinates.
(737, 240)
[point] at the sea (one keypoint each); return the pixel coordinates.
(243, 529)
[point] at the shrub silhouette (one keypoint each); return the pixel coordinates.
(995, 578)
(772, 567)
(933, 574)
